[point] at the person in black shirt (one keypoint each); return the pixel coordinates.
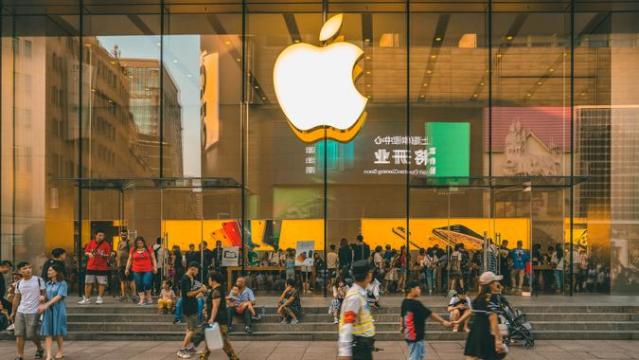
(58, 256)
(413, 322)
(361, 250)
(206, 259)
(216, 310)
(192, 255)
(189, 307)
(345, 256)
(5, 267)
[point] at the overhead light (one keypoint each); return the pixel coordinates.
(438, 39)
(368, 96)
(112, 62)
(481, 83)
(422, 96)
(468, 41)
(583, 94)
(433, 56)
(528, 94)
(227, 42)
(238, 59)
(429, 71)
(368, 57)
(499, 56)
(551, 70)
(263, 99)
(539, 83)
(425, 84)
(297, 41)
(475, 95)
(367, 40)
(368, 72)
(257, 87)
(509, 37)
(368, 85)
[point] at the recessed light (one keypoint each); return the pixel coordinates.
(499, 56)
(528, 94)
(433, 56)
(368, 85)
(539, 83)
(257, 87)
(368, 73)
(238, 59)
(368, 58)
(481, 83)
(367, 40)
(422, 96)
(438, 39)
(509, 37)
(429, 71)
(551, 70)
(227, 42)
(425, 84)
(583, 94)
(263, 99)
(297, 41)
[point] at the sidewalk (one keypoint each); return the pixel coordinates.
(286, 350)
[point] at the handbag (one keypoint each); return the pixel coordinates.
(213, 337)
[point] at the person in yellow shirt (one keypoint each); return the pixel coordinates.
(356, 327)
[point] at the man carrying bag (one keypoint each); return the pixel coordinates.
(356, 327)
(216, 310)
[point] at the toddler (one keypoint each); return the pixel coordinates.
(166, 301)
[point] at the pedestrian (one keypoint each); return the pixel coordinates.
(361, 250)
(29, 293)
(339, 293)
(58, 257)
(190, 308)
(160, 258)
(484, 340)
(520, 258)
(216, 308)
(54, 311)
(5, 267)
(127, 285)
(356, 339)
(98, 251)
(413, 321)
(143, 265)
(429, 265)
(290, 307)
(331, 265)
(345, 256)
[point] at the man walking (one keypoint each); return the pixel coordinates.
(189, 308)
(356, 328)
(520, 257)
(29, 294)
(216, 308)
(413, 321)
(98, 251)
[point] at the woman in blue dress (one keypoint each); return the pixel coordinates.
(54, 312)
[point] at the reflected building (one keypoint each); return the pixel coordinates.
(145, 92)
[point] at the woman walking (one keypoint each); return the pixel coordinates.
(54, 312)
(143, 265)
(484, 340)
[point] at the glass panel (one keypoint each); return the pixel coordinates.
(449, 99)
(40, 102)
(606, 224)
(121, 96)
(284, 174)
(370, 168)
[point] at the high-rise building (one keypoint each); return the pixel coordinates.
(146, 90)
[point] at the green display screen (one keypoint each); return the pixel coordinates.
(449, 149)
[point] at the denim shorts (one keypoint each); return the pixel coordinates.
(143, 281)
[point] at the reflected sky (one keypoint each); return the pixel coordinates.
(182, 60)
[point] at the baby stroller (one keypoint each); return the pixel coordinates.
(514, 326)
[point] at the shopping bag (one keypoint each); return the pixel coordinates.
(213, 337)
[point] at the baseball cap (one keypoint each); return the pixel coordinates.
(361, 267)
(488, 277)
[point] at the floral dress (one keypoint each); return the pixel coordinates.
(54, 319)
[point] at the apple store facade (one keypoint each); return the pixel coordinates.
(419, 125)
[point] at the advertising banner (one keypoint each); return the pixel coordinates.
(231, 256)
(304, 253)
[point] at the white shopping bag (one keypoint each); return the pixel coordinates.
(213, 337)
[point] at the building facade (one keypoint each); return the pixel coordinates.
(482, 121)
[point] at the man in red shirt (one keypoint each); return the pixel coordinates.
(99, 251)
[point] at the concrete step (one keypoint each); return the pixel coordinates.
(327, 327)
(332, 336)
(274, 318)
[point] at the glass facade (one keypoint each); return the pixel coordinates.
(485, 122)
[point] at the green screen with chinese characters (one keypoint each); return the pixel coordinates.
(451, 144)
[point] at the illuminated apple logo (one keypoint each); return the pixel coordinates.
(315, 87)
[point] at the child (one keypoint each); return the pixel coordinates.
(339, 293)
(233, 298)
(459, 304)
(166, 301)
(414, 315)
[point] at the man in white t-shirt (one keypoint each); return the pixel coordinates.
(29, 295)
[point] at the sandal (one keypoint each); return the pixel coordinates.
(58, 356)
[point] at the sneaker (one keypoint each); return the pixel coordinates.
(295, 321)
(39, 354)
(177, 322)
(284, 321)
(99, 300)
(335, 321)
(85, 301)
(183, 354)
(230, 328)
(141, 303)
(248, 330)
(191, 349)
(256, 317)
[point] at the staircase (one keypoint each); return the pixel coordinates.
(562, 322)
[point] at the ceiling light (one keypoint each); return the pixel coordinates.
(425, 84)
(422, 96)
(583, 94)
(438, 39)
(367, 40)
(238, 59)
(528, 94)
(257, 87)
(429, 71)
(475, 95)
(509, 37)
(551, 70)
(539, 83)
(368, 85)
(368, 73)
(263, 99)
(227, 42)
(158, 44)
(481, 83)
(499, 56)
(368, 58)
(297, 41)
(433, 56)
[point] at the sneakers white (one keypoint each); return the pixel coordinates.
(183, 354)
(99, 301)
(294, 321)
(85, 301)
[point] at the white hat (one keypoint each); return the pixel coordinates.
(488, 277)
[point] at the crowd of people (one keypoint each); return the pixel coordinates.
(191, 285)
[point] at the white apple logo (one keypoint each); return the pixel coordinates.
(314, 87)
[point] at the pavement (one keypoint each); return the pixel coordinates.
(303, 350)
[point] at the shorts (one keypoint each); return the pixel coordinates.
(123, 276)
(191, 322)
(143, 281)
(92, 279)
(27, 325)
